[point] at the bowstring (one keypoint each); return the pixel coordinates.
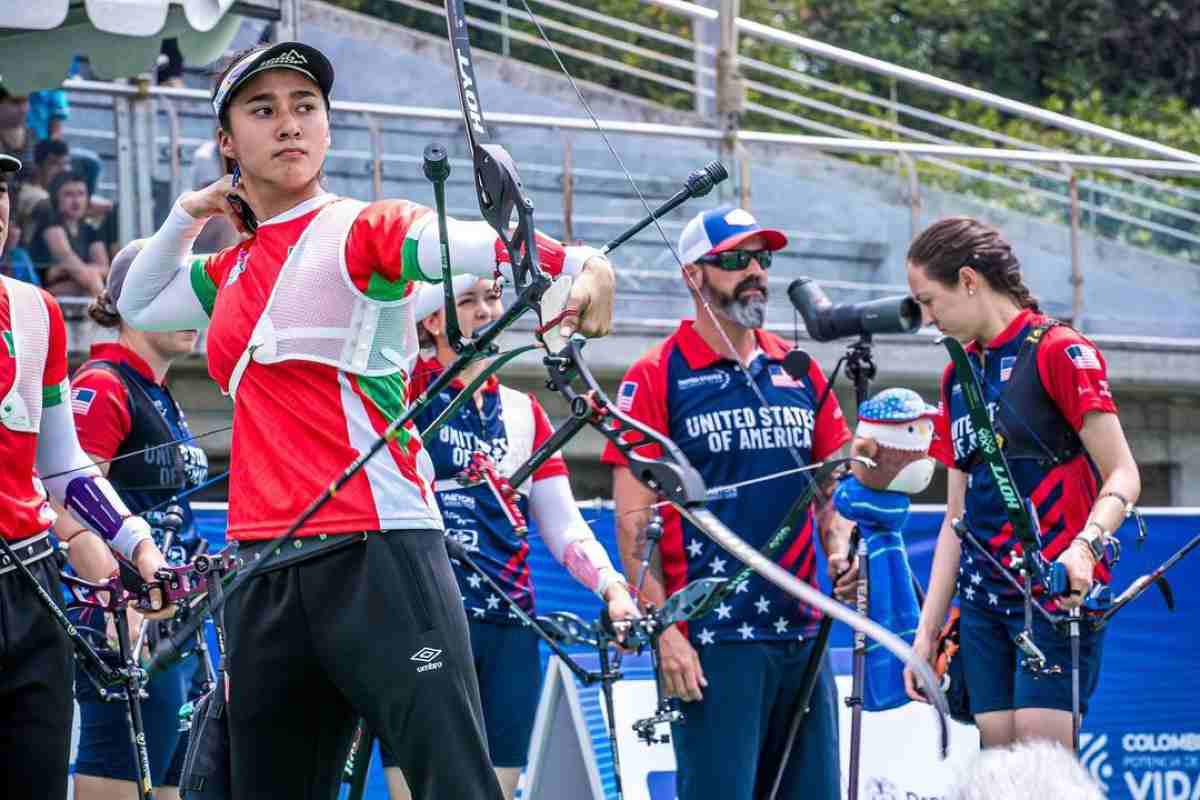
(172, 443)
(708, 309)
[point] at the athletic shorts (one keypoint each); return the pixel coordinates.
(734, 737)
(104, 747)
(996, 676)
(510, 683)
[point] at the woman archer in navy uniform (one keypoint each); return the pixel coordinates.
(122, 406)
(1047, 388)
(506, 426)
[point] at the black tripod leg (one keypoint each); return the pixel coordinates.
(606, 682)
(133, 701)
(1076, 717)
(855, 700)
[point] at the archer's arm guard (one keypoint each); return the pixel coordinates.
(93, 500)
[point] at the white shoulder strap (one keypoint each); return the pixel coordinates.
(517, 410)
(21, 407)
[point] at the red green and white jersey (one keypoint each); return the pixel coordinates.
(23, 507)
(297, 424)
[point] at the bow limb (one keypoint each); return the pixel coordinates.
(497, 182)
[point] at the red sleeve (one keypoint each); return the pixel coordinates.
(942, 447)
(643, 396)
(1075, 375)
(379, 248)
(542, 430)
(101, 407)
(56, 355)
(830, 431)
(551, 253)
(377, 244)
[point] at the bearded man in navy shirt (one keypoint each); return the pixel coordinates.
(738, 669)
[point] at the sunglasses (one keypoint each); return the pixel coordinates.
(734, 260)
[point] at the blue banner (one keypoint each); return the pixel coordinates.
(1141, 738)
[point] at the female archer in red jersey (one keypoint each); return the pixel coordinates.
(311, 331)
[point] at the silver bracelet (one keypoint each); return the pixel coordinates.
(1124, 501)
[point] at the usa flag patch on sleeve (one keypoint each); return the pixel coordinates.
(1083, 357)
(781, 379)
(81, 400)
(625, 395)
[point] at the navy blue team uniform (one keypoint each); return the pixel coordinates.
(753, 647)
(1040, 379)
(119, 408)
(506, 652)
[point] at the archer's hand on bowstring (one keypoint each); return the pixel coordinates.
(592, 298)
(215, 200)
(1080, 563)
(621, 608)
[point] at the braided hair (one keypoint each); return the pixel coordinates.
(948, 245)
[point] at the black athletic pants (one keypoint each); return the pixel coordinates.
(36, 703)
(375, 630)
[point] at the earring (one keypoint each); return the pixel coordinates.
(970, 292)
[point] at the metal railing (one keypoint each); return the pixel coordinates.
(1117, 202)
(148, 136)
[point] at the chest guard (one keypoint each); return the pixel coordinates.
(316, 313)
(21, 408)
(517, 412)
(161, 468)
(1029, 424)
(517, 409)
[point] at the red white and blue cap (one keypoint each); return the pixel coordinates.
(721, 229)
(302, 58)
(897, 418)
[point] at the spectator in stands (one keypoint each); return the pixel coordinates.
(66, 248)
(14, 260)
(14, 136)
(48, 110)
(51, 158)
(1036, 768)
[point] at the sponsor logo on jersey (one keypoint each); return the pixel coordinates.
(625, 395)
(425, 657)
(1006, 367)
(81, 400)
(239, 267)
(1083, 357)
(719, 380)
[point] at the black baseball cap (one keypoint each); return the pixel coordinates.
(8, 163)
(297, 56)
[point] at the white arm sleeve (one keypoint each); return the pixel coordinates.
(473, 249)
(58, 450)
(158, 294)
(568, 536)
